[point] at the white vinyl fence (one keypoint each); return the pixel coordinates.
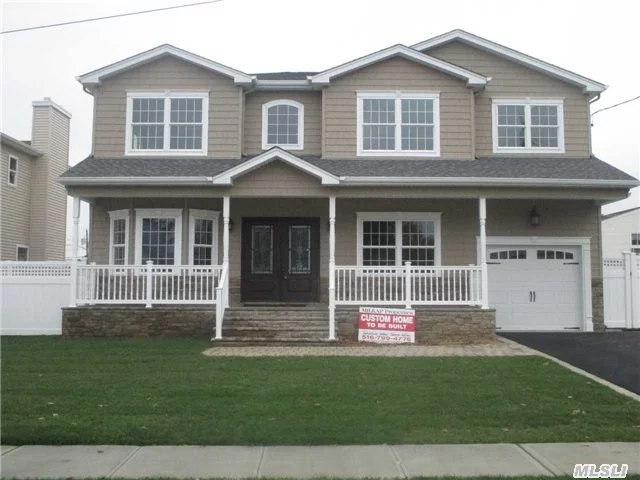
(32, 295)
(621, 288)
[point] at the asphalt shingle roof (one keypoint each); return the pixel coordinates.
(490, 167)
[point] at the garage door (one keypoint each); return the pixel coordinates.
(535, 288)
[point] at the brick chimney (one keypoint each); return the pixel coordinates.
(50, 135)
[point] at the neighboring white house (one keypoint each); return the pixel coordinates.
(621, 233)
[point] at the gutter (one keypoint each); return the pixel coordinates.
(352, 181)
(18, 145)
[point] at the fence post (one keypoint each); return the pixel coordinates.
(407, 284)
(74, 283)
(149, 282)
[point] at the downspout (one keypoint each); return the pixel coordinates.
(589, 102)
(93, 129)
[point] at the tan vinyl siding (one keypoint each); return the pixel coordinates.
(509, 79)
(278, 179)
(312, 102)
(48, 198)
(168, 74)
(404, 75)
(15, 203)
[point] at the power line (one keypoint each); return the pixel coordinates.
(616, 105)
(108, 17)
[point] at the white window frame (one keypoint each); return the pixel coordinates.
(214, 216)
(176, 214)
(113, 216)
(399, 217)
(265, 125)
(398, 96)
(528, 102)
(167, 95)
(9, 170)
(18, 247)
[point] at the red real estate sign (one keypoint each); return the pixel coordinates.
(386, 325)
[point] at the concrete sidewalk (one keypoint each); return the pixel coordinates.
(353, 461)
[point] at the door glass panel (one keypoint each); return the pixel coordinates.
(261, 249)
(299, 249)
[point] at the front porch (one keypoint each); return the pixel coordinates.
(329, 231)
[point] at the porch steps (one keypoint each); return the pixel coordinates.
(275, 325)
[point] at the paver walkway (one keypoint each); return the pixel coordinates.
(352, 461)
(499, 348)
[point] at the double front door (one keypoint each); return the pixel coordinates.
(280, 259)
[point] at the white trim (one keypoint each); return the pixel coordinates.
(588, 85)
(9, 170)
(398, 96)
(167, 95)
(18, 145)
(584, 243)
(214, 216)
(96, 76)
(435, 217)
(276, 153)
(18, 247)
(265, 124)
(113, 216)
(528, 102)
(472, 79)
(356, 180)
(175, 213)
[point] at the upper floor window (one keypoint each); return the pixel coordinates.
(635, 242)
(528, 125)
(283, 125)
(398, 124)
(173, 123)
(12, 176)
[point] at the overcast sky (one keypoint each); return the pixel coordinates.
(595, 39)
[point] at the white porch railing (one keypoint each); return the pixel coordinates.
(408, 285)
(145, 284)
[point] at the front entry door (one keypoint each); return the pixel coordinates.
(280, 259)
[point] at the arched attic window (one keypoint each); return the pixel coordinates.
(283, 125)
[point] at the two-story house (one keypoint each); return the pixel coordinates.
(454, 176)
(33, 211)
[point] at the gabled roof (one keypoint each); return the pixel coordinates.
(95, 77)
(588, 85)
(620, 213)
(23, 147)
(472, 79)
(275, 153)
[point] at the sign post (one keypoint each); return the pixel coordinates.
(386, 325)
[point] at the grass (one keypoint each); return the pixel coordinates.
(145, 392)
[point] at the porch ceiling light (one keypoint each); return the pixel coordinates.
(534, 217)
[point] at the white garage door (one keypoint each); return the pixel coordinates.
(535, 288)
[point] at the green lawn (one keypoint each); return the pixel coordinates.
(143, 392)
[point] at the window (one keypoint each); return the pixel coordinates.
(528, 125)
(203, 237)
(283, 125)
(167, 123)
(390, 239)
(635, 242)
(22, 253)
(398, 124)
(119, 237)
(12, 177)
(553, 255)
(508, 255)
(262, 249)
(159, 236)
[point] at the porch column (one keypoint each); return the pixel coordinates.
(483, 252)
(332, 268)
(226, 209)
(75, 232)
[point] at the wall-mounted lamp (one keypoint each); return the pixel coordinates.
(230, 223)
(534, 217)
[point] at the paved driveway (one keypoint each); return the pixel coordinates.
(614, 356)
